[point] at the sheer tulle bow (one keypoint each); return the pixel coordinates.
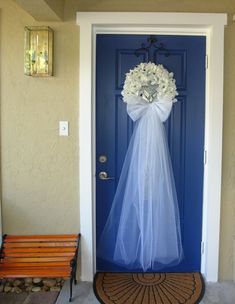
(143, 226)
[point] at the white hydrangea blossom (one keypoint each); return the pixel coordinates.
(151, 82)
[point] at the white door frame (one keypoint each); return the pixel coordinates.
(209, 25)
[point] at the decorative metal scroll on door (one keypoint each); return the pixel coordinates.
(152, 42)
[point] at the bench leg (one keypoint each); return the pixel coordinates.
(71, 289)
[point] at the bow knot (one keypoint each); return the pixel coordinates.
(137, 107)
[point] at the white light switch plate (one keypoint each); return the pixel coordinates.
(63, 128)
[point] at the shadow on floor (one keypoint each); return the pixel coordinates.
(29, 298)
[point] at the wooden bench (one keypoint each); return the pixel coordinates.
(43, 256)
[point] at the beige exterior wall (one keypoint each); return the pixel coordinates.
(39, 169)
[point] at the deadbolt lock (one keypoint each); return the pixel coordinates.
(103, 159)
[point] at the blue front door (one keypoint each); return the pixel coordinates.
(185, 57)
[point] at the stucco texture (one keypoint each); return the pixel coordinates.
(39, 169)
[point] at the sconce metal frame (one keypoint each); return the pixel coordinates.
(38, 51)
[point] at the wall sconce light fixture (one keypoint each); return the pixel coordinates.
(38, 51)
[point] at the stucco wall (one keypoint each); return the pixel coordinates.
(39, 168)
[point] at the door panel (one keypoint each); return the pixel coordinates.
(185, 57)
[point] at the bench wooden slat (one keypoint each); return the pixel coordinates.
(41, 264)
(30, 260)
(39, 244)
(46, 249)
(19, 240)
(38, 254)
(40, 240)
(49, 236)
(35, 272)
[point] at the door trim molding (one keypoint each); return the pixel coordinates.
(209, 25)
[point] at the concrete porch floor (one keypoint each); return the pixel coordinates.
(216, 293)
(29, 298)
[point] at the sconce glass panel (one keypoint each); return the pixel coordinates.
(38, 54)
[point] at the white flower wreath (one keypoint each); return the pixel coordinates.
(150, 81)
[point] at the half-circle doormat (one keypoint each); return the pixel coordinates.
(148, 288)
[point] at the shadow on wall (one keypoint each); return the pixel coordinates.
(29, 220)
